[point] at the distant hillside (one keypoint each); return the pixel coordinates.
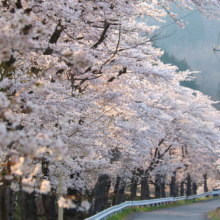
(182, 65)
(217, 97)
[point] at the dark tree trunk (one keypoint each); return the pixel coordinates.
(188, 186)
(106, 193)
(101, 193)
(145, 192)
(205, 183)
(173, 185)
(157, 186)
(28, 206)
(194, 187)
(134, 183)
(121, 192)
(163, 192)
(177, 189)
(116, 190)
(48, 200)
(73, 214)
(4, 201)
(90, 196)
(49, 204)
(182, 188)
(12, 201)
(7, 198)
(45, 201)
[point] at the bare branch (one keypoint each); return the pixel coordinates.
(103, 35)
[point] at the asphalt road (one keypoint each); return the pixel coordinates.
(196, 211)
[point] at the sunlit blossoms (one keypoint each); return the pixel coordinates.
(45, 187)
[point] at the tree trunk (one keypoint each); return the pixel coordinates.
(73, 214)
(157, 186)
(173, 185)
(188, 186)
(49, 204)
(134, 182)
(121, 192)
(145, 192)
(4, 201)
(7, 201)
(102, 187)
(205, 183)
(119, 189)
(90, 196)
(177, 189)
(182, 188)
(12, 204)
(163, 192)
(116, 190)
(106, 193)
(28, 206)
(194, 189)
(48, 200)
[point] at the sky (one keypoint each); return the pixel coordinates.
(194, 44)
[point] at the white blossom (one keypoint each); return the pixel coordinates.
(45, 187)
(66, 203)
(14, 186)
(28, 185)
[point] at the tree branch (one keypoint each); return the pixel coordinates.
(54, 38)
(103, 35)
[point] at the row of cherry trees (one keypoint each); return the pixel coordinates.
(83, 91)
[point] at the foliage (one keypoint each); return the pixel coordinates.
(215, 215)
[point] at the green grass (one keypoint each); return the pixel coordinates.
(215, 215)
(126, 212)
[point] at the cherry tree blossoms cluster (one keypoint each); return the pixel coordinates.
(84, 92)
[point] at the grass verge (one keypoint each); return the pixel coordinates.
(215, 215)
(126, 212)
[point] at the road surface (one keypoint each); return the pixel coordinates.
(195, 211)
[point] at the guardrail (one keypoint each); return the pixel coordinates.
(153, 202)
